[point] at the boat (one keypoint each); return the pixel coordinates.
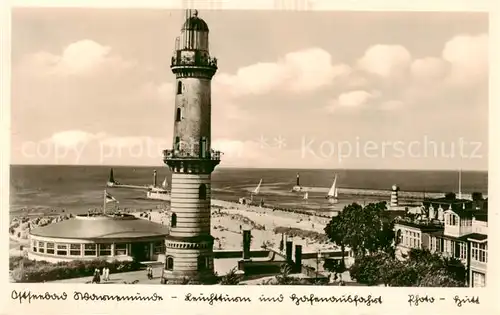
(306, 196)
(332, 195)
(159, 193)
(256, 191)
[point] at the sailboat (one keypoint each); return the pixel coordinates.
(332, 195)
(256, 191)
(306, 196)
(159, 193)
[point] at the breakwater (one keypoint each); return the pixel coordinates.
(418, 195)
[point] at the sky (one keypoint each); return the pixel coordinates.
(369, 90)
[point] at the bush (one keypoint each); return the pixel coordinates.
(41, 271)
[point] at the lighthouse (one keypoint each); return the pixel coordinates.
(189, 246)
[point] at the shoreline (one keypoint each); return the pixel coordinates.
(228, 220)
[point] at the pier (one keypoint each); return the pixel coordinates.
(376, 192)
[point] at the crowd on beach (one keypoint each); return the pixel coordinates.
(229, 218)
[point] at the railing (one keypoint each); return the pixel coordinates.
(196, 60)
(183, 154)
(432, 223)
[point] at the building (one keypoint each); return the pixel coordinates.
(455, 229)
(189, 246)
(98, 236)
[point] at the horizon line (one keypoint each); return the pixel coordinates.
(269, 168)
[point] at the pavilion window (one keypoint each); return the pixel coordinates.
(104, 249)
(202, 192)
(169, 265)
(33, 246)
(159, 248)
(121, 249)
(90, 250)
(50, 248)
(75, 249)
(62, 249)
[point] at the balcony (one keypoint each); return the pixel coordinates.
(421, 224)
(197, 60)
(191, 155)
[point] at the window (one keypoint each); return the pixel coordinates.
(398, 237)
(452, 219)
(460, 250)
(178, 114)
(179, 87)
(173, 220)
(479, 280)
(104, 249)
(159, 248)
(202, 192)
(33, 246)
(120, 249)
(90, 250)
(75, 249)
(169, 263)
(62, 249)
(203, 263)
(50, 248)
(177, 143)
(479, 252)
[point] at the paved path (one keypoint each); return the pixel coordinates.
(120, 278)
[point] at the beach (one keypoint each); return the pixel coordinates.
(228, 221)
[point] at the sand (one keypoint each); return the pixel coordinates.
(229, 219)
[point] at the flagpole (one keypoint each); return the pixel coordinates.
(104, 206)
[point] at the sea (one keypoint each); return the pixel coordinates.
(40, 189)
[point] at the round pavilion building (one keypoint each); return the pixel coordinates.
(109, 237)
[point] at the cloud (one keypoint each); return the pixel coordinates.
(300, 71)
(429, 67)
(385, 60)
(73, 138)
(83, 57)
(391, 105)
(468, 57)
(352, 99)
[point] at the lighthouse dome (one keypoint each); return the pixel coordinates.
(194, 23)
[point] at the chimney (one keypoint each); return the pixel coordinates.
(289, 249)
(155, 175)
(298, 257)
(247, 236)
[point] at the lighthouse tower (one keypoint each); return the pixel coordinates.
(189, 246)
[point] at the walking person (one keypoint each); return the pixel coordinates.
(97, 276)
(105, 271)
(150, 273)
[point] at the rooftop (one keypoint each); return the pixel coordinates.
(101, 226)
(195, 23)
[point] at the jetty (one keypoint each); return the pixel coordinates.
(112, 183)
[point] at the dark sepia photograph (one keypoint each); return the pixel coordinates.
(248, 147)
